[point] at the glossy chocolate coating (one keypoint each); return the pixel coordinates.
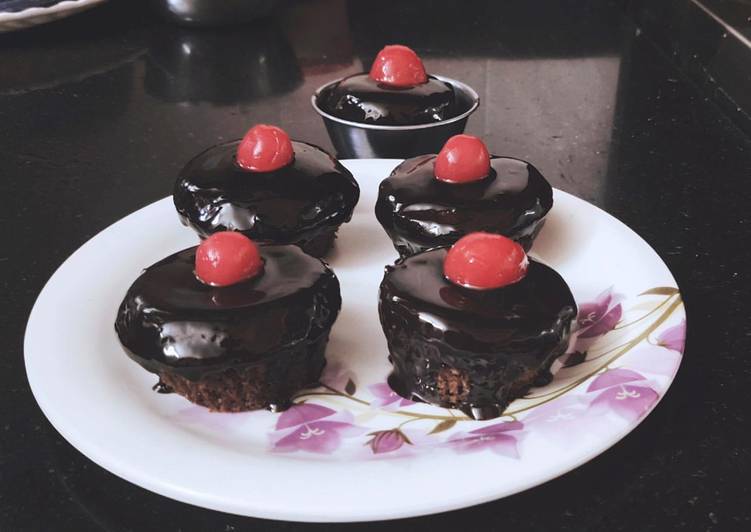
(497, 343)
(171, 321)
(359, 98)
(302, 203)
(420, 212)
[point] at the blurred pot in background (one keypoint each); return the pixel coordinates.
(195, 66)
(214, 12)
(319, 52)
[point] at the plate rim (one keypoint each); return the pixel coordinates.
(36, 15)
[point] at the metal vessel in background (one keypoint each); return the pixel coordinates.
(214, 12)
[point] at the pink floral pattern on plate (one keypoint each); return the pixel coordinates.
(620, 363)
(313, 428)
(619, 393)
(387, 441)
(674, 338)
(387, 398)
(599, 316)
(500, 438)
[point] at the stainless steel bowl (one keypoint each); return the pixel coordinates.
(355, 140)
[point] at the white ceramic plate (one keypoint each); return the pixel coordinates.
(354, 451)
(33, 16)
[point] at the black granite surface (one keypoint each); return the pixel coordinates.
(99, 112)
(710, 41)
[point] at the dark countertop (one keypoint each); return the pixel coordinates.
(97, 114)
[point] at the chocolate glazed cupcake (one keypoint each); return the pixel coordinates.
(232, 326)
(396, 92)
(269, 188)
(473, 327)
(434, 200)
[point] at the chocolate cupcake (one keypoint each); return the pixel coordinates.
(396, 110)
(396, 92)
(475, 326)
(271, 189)
(434, 200)
(230, 325)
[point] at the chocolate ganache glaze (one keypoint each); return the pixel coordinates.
(420, 212)
(173, 324)
(475, 350)
(303, 203)
(359, 98)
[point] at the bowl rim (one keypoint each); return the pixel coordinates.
(455, 83)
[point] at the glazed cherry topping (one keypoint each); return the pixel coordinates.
(264, 148)
(227, 258)
(398, 66)
(463, 159)
(484, 261)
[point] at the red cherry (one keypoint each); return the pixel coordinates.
(264, 149)
(227, 258)
(484, 261)
(398, 66)
(462, 159)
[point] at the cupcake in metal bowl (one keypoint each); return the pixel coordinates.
(396, 110)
